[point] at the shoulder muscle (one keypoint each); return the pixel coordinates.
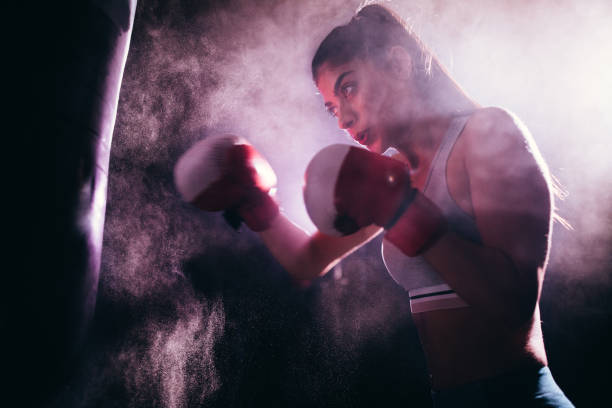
(508, 185)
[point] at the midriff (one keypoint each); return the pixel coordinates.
(462, 345)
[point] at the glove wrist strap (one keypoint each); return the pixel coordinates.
(409, 196)
(259, 211)
(419, 227)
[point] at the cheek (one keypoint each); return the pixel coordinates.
(375, 101)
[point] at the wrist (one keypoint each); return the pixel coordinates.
(418, 227)
(259, 210)
(408, 197)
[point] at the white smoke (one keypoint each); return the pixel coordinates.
(245, 69)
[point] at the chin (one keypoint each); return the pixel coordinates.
(376, 146)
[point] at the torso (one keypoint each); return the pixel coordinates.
(461, 344)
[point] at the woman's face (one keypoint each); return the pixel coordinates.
(362, 97)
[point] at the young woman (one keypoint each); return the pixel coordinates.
(466, 208)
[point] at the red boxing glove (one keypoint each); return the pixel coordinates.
(226, 173)
(418, 227)
(348, 188)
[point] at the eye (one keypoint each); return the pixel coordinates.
(348, 89)
(332, 110)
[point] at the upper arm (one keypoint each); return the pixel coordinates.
(509, 188)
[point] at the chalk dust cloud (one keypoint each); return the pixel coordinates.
(189, 310)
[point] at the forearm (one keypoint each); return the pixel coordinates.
(291, 246)
(485, 277)
(305, 256)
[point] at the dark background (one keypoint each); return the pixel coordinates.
(191, 312)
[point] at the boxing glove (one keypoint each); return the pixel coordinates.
(347, 188)
(227, 173)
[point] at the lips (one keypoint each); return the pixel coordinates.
(363, 137)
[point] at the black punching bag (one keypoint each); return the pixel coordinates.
(53, 302)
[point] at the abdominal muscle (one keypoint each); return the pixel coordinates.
(461, 345)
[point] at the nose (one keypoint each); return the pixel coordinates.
(346, 117)
(346, 124)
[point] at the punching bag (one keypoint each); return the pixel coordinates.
(53, 303)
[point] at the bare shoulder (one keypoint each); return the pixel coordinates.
(491, 116)
(494, 126)
(498, 137)
(509, 185)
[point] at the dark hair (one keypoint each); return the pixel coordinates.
(369, 34)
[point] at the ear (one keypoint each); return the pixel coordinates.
(400, 62)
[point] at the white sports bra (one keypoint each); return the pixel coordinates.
(427, 290)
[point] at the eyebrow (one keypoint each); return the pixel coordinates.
(338, 82)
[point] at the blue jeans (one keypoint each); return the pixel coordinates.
(526, 388)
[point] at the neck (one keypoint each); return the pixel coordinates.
(420, 140)
(428, 117)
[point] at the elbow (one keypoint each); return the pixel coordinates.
(527, 302)
(303, 278)
(512, 313)
(303, 273)
(523, 311)
(528, 293)
(518, 293)
(520, 305)
(312, 263)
